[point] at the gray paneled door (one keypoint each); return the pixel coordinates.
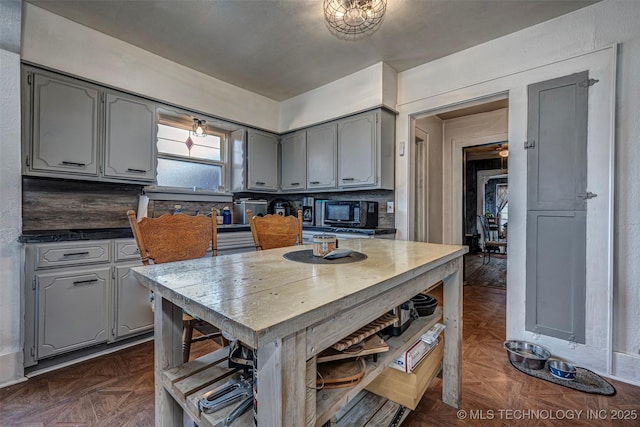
(557, 207)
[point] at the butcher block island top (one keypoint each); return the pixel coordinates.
(288, 312)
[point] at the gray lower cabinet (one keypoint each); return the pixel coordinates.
(133, 307)
(133, 314)
(79, 294)
(72, 309)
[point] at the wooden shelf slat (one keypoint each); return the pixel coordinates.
(187, 382)
(328, 402)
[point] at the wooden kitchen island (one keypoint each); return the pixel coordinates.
(288, 312)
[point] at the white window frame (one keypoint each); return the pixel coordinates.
(183, 120)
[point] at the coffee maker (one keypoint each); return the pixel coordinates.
(280, 207)
(307, 211)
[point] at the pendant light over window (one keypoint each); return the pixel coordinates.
(199, 128)
(353, 19)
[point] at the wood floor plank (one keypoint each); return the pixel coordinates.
(117, 390)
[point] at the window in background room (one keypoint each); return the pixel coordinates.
(189, 161)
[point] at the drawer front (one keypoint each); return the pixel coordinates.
(72, 253)
(127, 250)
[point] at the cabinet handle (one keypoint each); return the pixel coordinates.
(348, 179)
(84, 282)
(78, 165)
(136, 170)
(260, 183)
(314, 182)
(295, 183)
(76, 254)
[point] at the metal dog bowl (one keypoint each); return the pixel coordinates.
(529, 355)
(562, 370)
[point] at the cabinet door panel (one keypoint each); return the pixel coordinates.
(263, 161)
(294, 161)
(130, 126)
(357, 151)
(133, 309)
(65, 127)
(322, 148)
(72, 309)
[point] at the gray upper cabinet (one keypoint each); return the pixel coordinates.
(294, 161)
(322, 152)
(130, 136)
(262, 158)
(74, 129)
(365, 150)
(65, 126)
(356, 151)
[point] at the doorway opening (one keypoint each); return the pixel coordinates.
(477, 136)
(486, 213)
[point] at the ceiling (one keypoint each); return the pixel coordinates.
(282, 48)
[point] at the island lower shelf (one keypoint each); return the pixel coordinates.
(187, 382)
(329, 402)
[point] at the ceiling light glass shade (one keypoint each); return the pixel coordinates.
(503, 153)
(354, 19)
(198, 127)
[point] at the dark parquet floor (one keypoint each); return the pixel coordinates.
(117, 390)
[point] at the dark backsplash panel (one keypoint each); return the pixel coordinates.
(58, 204)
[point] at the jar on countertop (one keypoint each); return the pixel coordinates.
(324, 243)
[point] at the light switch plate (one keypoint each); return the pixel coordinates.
(389, 207)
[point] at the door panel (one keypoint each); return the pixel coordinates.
(556, 273)
(558, 129)
(556, 207)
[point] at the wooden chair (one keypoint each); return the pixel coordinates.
(179, 237)
(489, 245)
(275, 231)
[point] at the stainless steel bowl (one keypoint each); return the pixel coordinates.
(562, 370)
(529, 355)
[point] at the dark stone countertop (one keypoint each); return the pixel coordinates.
(70, 235)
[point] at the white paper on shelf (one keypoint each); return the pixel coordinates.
(432, 334)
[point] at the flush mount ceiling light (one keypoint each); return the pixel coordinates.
(353, 19)
(198, 127)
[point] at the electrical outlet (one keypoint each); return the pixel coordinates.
(389, 207)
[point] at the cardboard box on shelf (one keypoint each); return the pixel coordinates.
(407, 388)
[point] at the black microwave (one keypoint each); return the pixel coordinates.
(341, 213)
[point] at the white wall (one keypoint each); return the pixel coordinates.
(11, 252)
(55, 42)
(369, 88)
(580, 40)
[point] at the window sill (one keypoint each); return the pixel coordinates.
(185, 194)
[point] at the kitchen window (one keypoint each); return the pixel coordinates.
(187, 162)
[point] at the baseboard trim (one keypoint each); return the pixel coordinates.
(11, 369)
(626, 368)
